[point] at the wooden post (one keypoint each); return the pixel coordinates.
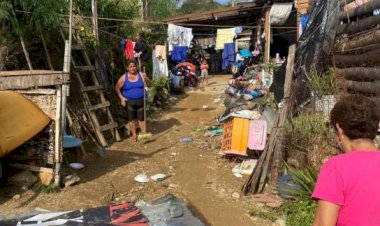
(58, 138)
(279, 154)
(94, 7)
(267, 36)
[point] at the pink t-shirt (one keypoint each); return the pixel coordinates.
(352, 180)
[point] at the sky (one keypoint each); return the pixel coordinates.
(218, 1)
(222, 1)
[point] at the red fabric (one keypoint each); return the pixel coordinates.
(129, 50)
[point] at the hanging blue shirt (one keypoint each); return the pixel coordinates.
(179, 54)
(228, 55)
(133, 90)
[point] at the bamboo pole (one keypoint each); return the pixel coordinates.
(358, 26)
(359, 41)
(360, 10)
(368, 59)
(360, 73)
(26, 53)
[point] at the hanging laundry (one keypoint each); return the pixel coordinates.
(179, 36)
(238, 30)
(129, 49)
(224, 36)
(160, 51)
(228, 55)
(206, 42)
(279, 13)
(141, 50)
(179, 54)
(160, 66)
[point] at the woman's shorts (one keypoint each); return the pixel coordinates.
(135, 110)
(204, 74)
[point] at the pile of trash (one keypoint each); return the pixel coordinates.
(248, 118)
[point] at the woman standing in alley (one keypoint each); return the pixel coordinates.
(348, 186)
(130, 90)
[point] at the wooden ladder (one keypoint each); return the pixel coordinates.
(95, 103)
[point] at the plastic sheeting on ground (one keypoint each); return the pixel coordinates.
(166, 211)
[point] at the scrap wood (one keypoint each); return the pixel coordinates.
(99, 149)
(256, 182)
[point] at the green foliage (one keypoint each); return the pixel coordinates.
(161, 9)
(272, 67)
(192, 6)
(45, 188)
(305, 178)
(324, 84)
(299, 212)
(160, 84)
(267, 215)
(303, 129)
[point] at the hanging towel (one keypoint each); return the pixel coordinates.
(224, 36)
(160, 51)
(179, 36)
(129, 50)
(279, 13)
(228, 55)
(160, 67)
(179, 54)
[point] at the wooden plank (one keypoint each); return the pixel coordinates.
(92, 88)
(11, 81)
(358, 26)
(109, 126)
(267, 35)
(38, 91)
(100, 106)
(370, 38)
(360, 10)
(278, 151)
(31, 168)
(84, 68)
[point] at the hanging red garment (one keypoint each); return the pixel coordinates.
(129, 50)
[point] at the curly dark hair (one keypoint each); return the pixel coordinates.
(130, 61)
(357, 116)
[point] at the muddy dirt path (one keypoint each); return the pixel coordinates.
(198, 174)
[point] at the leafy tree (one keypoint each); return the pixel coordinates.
(192, 6)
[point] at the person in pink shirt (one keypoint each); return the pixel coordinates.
(204, 73)
(348, 185)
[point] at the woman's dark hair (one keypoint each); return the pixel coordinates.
(130, 61)
(357, 115)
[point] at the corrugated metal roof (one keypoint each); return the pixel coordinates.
(216, 14)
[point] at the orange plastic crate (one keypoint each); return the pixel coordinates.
(235, 136)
